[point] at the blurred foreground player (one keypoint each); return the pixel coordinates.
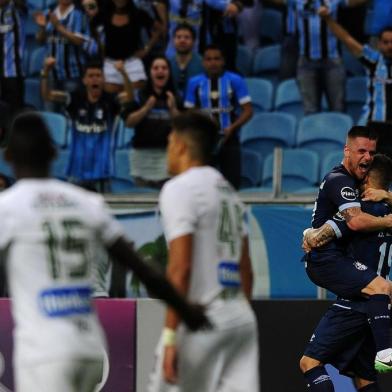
(203, 221)
(49, 232)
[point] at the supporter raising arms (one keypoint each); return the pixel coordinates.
(152, 110)
(123, 24)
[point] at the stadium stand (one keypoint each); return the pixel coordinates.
(261, 92)
(244, 60)
(266, 63)
(329, 161)
(251, 167)
(356, 92)
(288, 99)
(271, 22)
(57, 124)
(60, 164)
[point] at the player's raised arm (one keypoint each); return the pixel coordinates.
(122, 251)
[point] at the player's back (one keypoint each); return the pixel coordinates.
(49, 232)
(374, 248)
(200, 201)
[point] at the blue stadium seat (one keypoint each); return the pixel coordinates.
(121, 181)
(266, 63)
(251, 165)
(356, 93)
(5, 168)
(288, 98)
(300, 170)
(36, 5)
(32, 93)
(37, 57)
(271, 22)
(268, 130)
(57, 124)
(261, 92)
(329, 161)
(124, 135)
(323, 132)
(60, 164)
(244, 60)
(352, 64)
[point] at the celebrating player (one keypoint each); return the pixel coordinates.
(49, 232)
(203, 221)
(343, 336)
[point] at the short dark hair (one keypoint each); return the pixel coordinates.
(385, 30)
(213, 47)
(185, 26)
(362, 131)
(382, 167)
(30, 144)
(202, 131)
(95, 63)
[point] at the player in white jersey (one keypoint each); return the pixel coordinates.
(203, 221)
(50, 231)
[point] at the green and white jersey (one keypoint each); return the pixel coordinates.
(50, 232)
(202, 203)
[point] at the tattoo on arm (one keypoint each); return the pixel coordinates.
(350, 213)
(321, 236)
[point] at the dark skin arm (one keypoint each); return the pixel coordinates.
(122, 252)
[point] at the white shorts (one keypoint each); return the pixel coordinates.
(221, 360)
(60, 376)
(133, 66)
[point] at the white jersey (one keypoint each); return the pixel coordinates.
(49, 232)
(202, 203)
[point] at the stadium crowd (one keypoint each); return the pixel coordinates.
(149, 60)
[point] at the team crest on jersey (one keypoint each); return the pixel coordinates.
(359, 266)
(214, 94)
(349, 193)
(338, 217)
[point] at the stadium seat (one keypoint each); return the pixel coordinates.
(268, 130)
(261, 92)
(356, 93)
(121, 181)
(57, 124)
(124, 135)
(271, 22)
(352, 64)
(32, 93)
(244, 60)
(5, 168)
(323, 132)
(300, 171)
(251, 165)
(266, 63)
(329, 161)
(36, 61)
(60, 164)
(288, 98)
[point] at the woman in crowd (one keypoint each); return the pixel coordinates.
(123, 25)
(152, 111)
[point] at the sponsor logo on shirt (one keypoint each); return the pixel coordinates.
(348, 193)
(359, 266)
(65, 301)
(229, 274)
(321, 379)
(90, 128)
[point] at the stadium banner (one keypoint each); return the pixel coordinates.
(118, 318)
(275, 234)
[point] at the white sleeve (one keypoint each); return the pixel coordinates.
(178, 211)
(109, 229)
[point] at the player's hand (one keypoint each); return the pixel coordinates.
(372, 194)
(305, 245)
(40, 19)
(170, 364)
(195, 318)
(323, 11)
(231, 10)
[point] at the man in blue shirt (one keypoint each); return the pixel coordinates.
(378, 106)
(343, 337)
(320, 68)
(93, 113)
(12, 46)
(186, 62)
(62, 29)
(224, 96)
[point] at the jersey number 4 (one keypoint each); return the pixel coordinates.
(67, 249)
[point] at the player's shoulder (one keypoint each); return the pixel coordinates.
(198, 78)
